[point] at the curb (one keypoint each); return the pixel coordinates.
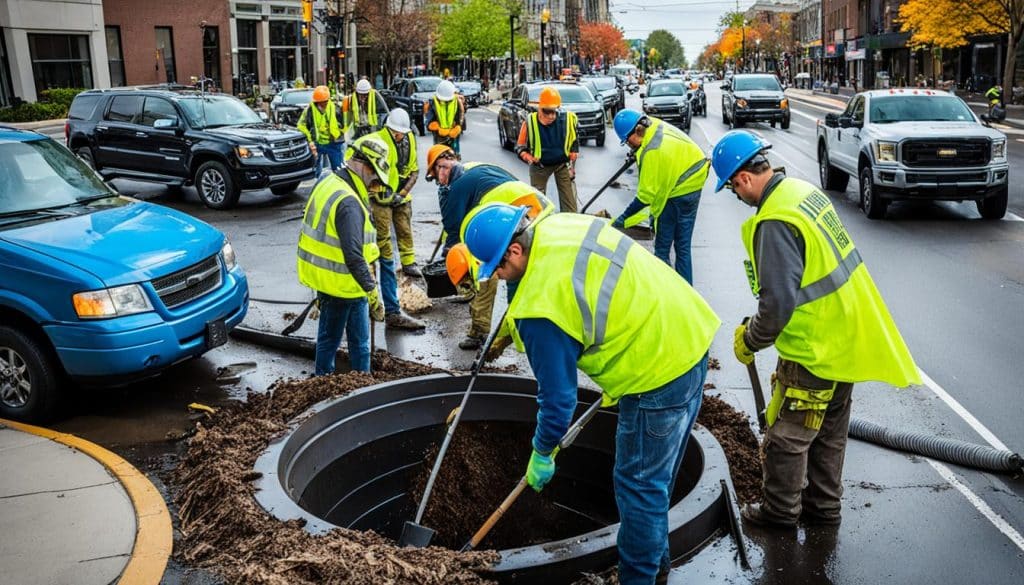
(153, 535)
(34, 125)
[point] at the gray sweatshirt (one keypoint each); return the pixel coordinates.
(349, 219)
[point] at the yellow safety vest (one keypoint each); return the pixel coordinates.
(324, 129)
(371, 109)
(567, 123)
(508, 192)
(321, 263)
(446, 112)
(397, 170)
(641, 325)
(841, 329)
(670, 165)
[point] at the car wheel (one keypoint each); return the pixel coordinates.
(725, 117)
(29, 377)
(994, 207)
(85, 153)
(216, 186)
(874, 206)
(503, 137)
(599, 141)
(772, 123)
(284, 189)
(830, 177)
(785, 123)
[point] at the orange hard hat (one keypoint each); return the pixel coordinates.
(435, 153)
(321, 94)
(457, 262)
(550, 98)
(529, 200)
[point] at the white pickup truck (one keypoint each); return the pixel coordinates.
(913, 144)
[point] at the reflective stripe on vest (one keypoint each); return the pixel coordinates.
(371, 109)
(566, 124)
(328, 119)
(446, 112)
(595, 324)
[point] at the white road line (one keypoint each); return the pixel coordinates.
(958, 408)
(998, 521)
(803, 115)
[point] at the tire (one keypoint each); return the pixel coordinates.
(874, 206)
(773, 123)
(599, 141)
(29, 378)
(216, 186)
(285, 189)
(994, 207)
(503, 137)
(785, 123)
(725, 118)
(85, 153)
(831, 178)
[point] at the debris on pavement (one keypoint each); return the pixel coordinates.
(412, 298)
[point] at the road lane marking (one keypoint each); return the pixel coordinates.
(803, 115)
(962, 412)
(979, 504)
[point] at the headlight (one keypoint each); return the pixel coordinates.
(999, 148)
(784, 104)
(246, 152)
(648, 108)
(885, 151)
(741, 103)
(228, 254)
(683, 107)
(111, 302)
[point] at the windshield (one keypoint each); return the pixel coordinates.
(215, 111)
(919, 108)
(603, 83)
(659, 89)
(42, 174)
(760, 82)
(298, 97)
(468, 86)
(571, 94)
(427, 84)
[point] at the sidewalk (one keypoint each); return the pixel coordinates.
(74, 513)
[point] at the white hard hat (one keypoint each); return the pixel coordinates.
(398, 120)
(446, 91)
(363, 86)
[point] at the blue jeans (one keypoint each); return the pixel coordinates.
(329, 153)
(389, 286)
(652, 433)
(675, 226)
(337, 316)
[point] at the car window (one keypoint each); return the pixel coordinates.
(919, 108)
(124, 108)
(212, 111)
(40, 174)
(428, 84)
(157, 109)
(659, 89)
(858, 109)
(517, 95)
(83, 106)
(298, 97)
(571, 94)
(759, 82)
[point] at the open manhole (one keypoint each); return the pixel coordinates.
(352, 462)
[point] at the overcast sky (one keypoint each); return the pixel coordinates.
(693, 22)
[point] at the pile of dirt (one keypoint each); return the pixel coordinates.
(412, 298)
(732, 430)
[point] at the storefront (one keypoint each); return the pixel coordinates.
(856, 58)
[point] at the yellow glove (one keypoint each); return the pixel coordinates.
(739, 347)
(455, 131)
(376, 306)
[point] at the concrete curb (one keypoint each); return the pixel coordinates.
(34, 125)
(153, 536)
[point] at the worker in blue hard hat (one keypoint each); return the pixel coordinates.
(819, 306)
(576, 306)
(672, 173)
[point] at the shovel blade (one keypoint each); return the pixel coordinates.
(415, 535)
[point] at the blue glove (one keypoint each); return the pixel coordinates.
(540, 470)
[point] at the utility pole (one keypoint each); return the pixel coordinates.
(743, 38)
(512, 46)
(545, 16)
(307, 31)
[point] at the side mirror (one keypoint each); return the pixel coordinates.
(726, 86)
(165, 124)
(642, 95)
(263, 116)
(845, 121)
(832, 120)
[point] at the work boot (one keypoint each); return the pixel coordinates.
(403, 321)
(756, 514)
(412, 270)
(814, 519)
(471, 342)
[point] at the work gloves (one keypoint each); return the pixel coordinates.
(376, 306)
(455, 131)
(498, 346)
(434, 127)
(528, 158)
(398, 200)
(739, 346)
(540, 470)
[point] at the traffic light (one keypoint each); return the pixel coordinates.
(305, 30)
(341, 54)
(307, 11)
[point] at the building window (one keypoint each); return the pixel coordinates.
(60, 61)
(284, 33)
(165, 52)
(6, 92)
(282, 64)
(211, 53)
(245, 31)
(284, 37)
(115, 58)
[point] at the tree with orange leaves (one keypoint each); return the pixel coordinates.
(602, 38)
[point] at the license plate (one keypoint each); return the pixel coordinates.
(216, 334)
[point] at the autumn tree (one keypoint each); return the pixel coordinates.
(396, 30)
(477, 29)
(602, 38)
(670, 50)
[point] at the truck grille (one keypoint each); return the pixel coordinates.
(950, 179)
(189, 284)
(286, 150)
(946, 153)
(763, 104)
(589, 118)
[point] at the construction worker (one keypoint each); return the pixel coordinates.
(393, 205)
(672, 171)
(336, 246)
(548, 143)
(819, 306)
(461, 188)
(360, 110)
(444, 115)
(576, 306)
(319, 122)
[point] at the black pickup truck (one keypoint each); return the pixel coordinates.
(183, 137)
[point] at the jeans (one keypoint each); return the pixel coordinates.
(675, 227)
(337, 316)
(389, 286)
(652, 433)
(564, 182)
(331, 153)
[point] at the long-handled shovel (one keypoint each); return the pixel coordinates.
(566, 440)
(413, 533)
(294, 325)
(629, 162)
(755, 385)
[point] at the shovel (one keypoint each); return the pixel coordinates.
(413, 533)
(630, 159)
(565, 441)
(294, 325)
(755, 385)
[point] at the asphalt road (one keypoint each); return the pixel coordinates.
(953, 283)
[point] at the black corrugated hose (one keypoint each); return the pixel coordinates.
(949, 450)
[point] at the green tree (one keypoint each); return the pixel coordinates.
(670, 52)
(478, 29)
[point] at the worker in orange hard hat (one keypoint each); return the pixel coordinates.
(319, 122)
(548, 143)
(438, 152)
(462, 267)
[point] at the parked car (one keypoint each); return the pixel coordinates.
(288, 105)
(178, 138)
(589, 109)
(472, 91)
(98, 288)
(754, 97)
(666, 100)
(410, 94)
(914, 144)
(613, 96)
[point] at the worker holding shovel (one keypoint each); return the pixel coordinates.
(820, 308)
(589, 297)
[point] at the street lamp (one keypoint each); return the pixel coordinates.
(757, 54)
(545, 16)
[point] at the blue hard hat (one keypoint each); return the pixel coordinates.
(489, 233)
(734, 150)
(625, 122)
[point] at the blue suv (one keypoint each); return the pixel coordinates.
(99, 288)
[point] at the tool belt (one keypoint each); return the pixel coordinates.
(799, 390)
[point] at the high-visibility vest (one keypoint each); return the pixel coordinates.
(446, 112)
(641, 325)
(507, 193)
(841, 329)
(397, 170)
(371, 109)
(670, 164)
(321, 263)
(323, 128)
(566, 123)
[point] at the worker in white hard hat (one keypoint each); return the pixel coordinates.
(360, 110)
(393, 206)
(444, 115)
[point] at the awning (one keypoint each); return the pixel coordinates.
(856, 55)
